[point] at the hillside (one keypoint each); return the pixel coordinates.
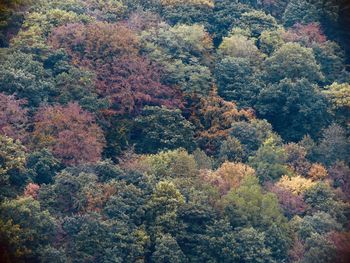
(173, 131)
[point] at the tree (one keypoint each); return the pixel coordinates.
(296, 158)
(70, 132)
(294, 62)
(304, 108)
(13, 117)
(225, 14)
(339, 95)
(308, 35)
(174, 164)
(238, 80)
(317, 172)
(240, 46)
(21, 74)
(167, 250)
(37, 227)
(270, 41)
(251, 134)
(209, 3)
(321, 197)
(251, 246)
(295, 184)
(319, 247)
(12, 166)
(95, 43)
(300, 11)
(78, 85)
(185, 54)
(162, 209)
(213, 117)
(290, 203)
(89, 238)
(188, 13)
(110, 10)
(42, 166)
(340, 175)
(228, 176)
(68, 194)
(129, 83)
(270, 161)
(231, 150)
(203, 161)
(257, 21)
(161, 128)
(249, 206)
(333, 145)
(331, 59)
(11, 18)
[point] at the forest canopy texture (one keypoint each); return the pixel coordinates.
(174, 131)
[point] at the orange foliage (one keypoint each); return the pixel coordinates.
(31, 190)
(98, 196)
(228, 176)
(317, 172)
(213, 117)
(95, 43)
(70, 132)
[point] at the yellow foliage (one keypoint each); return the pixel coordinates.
(228, 176)
(295, 184)
(339, 94)
(239, 46)
(317, 171)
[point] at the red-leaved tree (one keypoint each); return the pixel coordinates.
(133, 82)
(13, 118)
(95, 43)
(70, 132)
(306, 34)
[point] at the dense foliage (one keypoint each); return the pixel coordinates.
(174, 131)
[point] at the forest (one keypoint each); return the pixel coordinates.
(174, 131)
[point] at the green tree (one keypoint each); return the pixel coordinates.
(270, 41)
(319, 250)
(12, 166)
(161, 128)
(162, 209)
(21, 74)
(167, 250)
(294, 108)
(37, 226)
(251, 134)
(42, 166)
(78, 85)
(333, 145)
(251, 246)
(270, 161)
(249, 206)
(339, 95)
(185, 53)
(300, 11)
(294, 62)
(226, 13)
(238, 80)
(331, 59)
(240, 46)
(176, 164)
(257, 22)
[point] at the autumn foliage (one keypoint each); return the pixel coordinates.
(13, 117)
(70, 132)
(131, 82)
(96, 43)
